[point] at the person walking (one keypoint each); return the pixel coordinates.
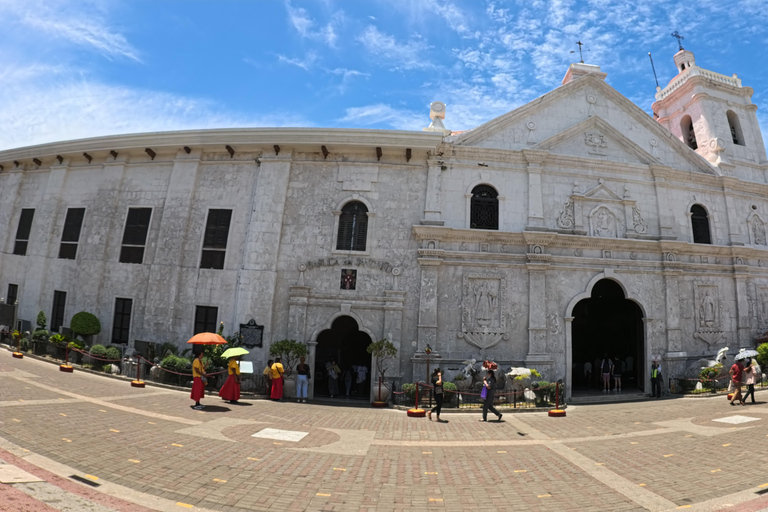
(489, 383)
(606, 367)
(268, 377)
(277, 380)
(655, 380)
(199, 379)
(736, 371)
(302, 380)
(333, 378)
(751, 370)
(231, 388)
(437, 383)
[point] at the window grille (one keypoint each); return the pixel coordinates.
(71, 233)
(23, 230)
(13, 294)
(484, 208)
(215, 239)
(205, 319)
(135, 235)
(121, 322)
(57, 312)
(353, 227)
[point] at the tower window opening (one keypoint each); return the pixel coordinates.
(735, 127)
(700, 225)
(689, 135)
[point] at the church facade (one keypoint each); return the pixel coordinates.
(572, 227)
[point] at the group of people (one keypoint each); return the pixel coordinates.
(607, 372)
(274, 379)
(744, 374)
(489, 390)
(353, 378)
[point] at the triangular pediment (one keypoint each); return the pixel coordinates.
(602, 192)
(586, 118)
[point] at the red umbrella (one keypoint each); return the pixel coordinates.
(207, 338)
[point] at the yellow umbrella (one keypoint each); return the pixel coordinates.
(207, 338)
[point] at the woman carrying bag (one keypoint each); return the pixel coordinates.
(437, 382)
(489, 388)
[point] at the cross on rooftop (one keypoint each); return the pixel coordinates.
(679, 38)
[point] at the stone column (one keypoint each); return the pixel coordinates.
(734, 223)
(257, 288)
(666, 215)
(535, 203)
(393, 324)
(311, 362)
(298, 300)
(569, 357)
(161, 315)
(672, 302)
(538, 355)
(427, 329)
(10, 209)
(742, 309)
(432, 206)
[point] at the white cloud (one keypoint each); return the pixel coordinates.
(379, 113)
(305, 25)
(306, 63)
(83, 23)
(408, 55)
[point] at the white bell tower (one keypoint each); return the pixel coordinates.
(712, 113)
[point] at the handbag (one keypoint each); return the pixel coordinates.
(484, 393)
(205, 380)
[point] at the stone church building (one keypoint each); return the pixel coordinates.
(573, 226)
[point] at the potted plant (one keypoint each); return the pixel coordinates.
(384, 351)
(57, 344)
(451, 394)
(289, 351)
(461, 382)
(84, 324)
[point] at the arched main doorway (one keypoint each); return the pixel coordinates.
(607, 323)
(347, 344)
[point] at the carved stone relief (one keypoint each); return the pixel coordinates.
(597, 143)
(637, 220)
(707, 314)
(762, 307)
(484, 306)
(602, 222)
(553, 321)
(565, 219)
(756, 228)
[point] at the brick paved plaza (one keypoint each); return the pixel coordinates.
(148, 450)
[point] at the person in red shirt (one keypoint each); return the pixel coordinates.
(736, 371)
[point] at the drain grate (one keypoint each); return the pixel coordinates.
(84, 480)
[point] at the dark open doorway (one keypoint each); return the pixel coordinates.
(607, 323)
(347, 344)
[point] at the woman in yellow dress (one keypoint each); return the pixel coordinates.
(277, 380)
(198, 387)
(231, 388)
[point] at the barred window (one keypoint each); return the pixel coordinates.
(135, 235)
(700, 225)
(484, 208)
(205, 319)
(121, 323)
(353, 227)
(70, 236)
(13, 294)
(57, 312)
(215, 239)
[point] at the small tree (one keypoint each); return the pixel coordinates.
(384, 351)
(289, 351)
(41, 320)
(85, 324)
(762, 355)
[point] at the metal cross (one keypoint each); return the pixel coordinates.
(680, 38)
(581, 57)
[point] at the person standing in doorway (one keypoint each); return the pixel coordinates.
(489, 382)
(750, 378)
(617, 372)
(606, 367)
(655, 380)
(333, 378)
(302, 380)
(198, 381)
(268, 377)
(349, 378)
(588, 374)
(736, 371)
(277, 380)
(437, 383)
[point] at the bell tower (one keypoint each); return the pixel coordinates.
(711, 113)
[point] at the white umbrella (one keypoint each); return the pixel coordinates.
(743, 354)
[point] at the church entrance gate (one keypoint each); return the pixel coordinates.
(347, 344)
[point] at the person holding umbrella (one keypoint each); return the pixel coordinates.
(231, 389)
(198, 382)
(748, 374)
(199, 377)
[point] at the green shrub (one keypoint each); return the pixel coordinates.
(24, 344)
(460, 377)
(762, 354)
(113, 353)
(107, 368)
(409, 389)
(85, 324)
(289, 351)
(450, 386)
(41, 320)
(59, 340)
(99, 351)
(40, 335)
(535, 374)
(710, 373)
(78, 344)
(175, 364)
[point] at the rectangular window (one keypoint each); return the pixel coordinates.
(205, 319)
(135, 235)
(215, 239)
(22, 232)
(121, 323)
(71, 234)
(57, 313)
(13, 294)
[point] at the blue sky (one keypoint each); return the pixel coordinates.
(81, 68)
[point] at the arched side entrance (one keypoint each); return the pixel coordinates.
(605, 320)
(345, 343)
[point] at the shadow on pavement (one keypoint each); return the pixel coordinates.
(215, 408)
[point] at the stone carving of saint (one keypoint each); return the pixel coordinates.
(638, 221)
(707, 310)
(603, 224)
(485, 302)
(565, 219)
(758, 231)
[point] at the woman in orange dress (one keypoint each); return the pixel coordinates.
(277, 380)
(231, 388)
(198, 387)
